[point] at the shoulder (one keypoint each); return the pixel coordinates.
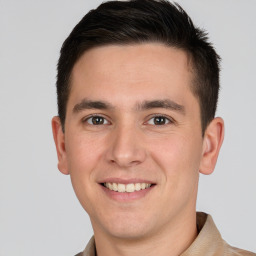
(233, 251)
(89, 250)
(210, 242)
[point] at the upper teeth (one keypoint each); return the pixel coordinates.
(126, 187)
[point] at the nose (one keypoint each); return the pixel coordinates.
(126, 147)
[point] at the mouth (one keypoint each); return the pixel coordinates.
(128, 188)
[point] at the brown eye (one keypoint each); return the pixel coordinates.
(159, 120)
(96, 120)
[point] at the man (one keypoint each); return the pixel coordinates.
(137, 91)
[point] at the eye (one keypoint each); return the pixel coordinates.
(159, 120)
(96, 120)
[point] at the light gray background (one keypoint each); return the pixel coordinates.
(39, 213)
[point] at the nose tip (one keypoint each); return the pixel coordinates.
(125, 160)
(126, 148)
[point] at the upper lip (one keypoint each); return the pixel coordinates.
(126, 181)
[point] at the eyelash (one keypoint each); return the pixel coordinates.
(166, 118)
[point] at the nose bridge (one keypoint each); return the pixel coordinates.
(126, 145)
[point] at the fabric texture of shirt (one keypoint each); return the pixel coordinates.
(208, 242)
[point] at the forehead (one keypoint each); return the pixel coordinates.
(150, 70)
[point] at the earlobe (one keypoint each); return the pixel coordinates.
(59, 139)
(212, 142)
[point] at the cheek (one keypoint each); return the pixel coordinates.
(176, 150)
(83, 156)
(179, 159)
(83, 153)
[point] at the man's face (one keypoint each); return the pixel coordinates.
(133, 122)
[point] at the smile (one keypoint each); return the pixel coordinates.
(122, 188)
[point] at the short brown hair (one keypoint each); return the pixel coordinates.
(140, 21)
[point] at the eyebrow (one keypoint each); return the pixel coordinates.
(145, 105)
(88, 104)
(166, 104)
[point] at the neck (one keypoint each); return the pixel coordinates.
(173, 239)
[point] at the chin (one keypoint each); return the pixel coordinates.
(129, 233)
(129, 227)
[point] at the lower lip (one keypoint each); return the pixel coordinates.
(127, 196)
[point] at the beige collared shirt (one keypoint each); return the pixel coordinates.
(208, 242)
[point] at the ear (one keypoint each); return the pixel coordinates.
(59, 139)
(213, 138)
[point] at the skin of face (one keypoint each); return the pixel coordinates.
(120, 139)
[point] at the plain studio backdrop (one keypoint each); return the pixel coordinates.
(39, 213)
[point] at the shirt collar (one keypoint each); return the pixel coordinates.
(208, 241)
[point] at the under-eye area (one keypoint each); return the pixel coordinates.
(129, 188)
